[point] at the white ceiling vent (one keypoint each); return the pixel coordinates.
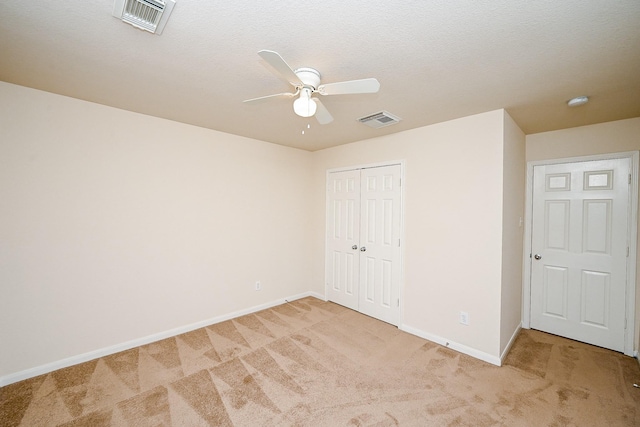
(148, 15)
(379, 120)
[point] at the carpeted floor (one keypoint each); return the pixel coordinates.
(312, 363)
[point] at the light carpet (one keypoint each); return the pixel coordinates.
(314, 363)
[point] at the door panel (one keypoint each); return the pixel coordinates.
(380, 235)
(595, 298)
(555, 291)
(363, 212)
(597, 226)
(579, 231)
(557, 226)
(343, 232)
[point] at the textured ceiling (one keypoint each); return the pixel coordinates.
(435, 60)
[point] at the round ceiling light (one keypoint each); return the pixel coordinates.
(577, 101)
(304, 106)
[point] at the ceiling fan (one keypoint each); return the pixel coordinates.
(306, 82)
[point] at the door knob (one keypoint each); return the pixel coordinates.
(537, 256)
(354, 247)
(362, 249)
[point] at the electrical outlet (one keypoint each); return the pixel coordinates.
(258, 286)
(464, 318)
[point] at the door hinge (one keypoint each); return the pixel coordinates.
(398, 302)
(629, 179)
(627, 251)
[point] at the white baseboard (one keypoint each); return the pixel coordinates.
(494, 360)
(85, 357)
(510, 343)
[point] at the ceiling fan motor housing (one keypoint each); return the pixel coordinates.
(308, 76)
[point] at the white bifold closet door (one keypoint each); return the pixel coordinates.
(363, 253)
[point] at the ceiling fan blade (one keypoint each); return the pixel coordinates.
(266, 98)
(275, 60)
(352, 86)
(322, 114)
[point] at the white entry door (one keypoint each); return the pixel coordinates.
(363, 241)
(579, 250)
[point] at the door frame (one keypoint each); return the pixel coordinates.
(402, 210)
(632, 238)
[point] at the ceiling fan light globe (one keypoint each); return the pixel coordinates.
(304, 106)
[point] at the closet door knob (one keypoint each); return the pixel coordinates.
(354, 247)
(363, 249)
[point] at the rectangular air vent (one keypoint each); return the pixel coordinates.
(379, 120)
(148, 15)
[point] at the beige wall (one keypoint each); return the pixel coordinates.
(611, 137)
(115, 226)
(453, 225)
(118, 226)
(514, 178)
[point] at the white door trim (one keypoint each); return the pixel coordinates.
(402, 238)
(632, 237)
